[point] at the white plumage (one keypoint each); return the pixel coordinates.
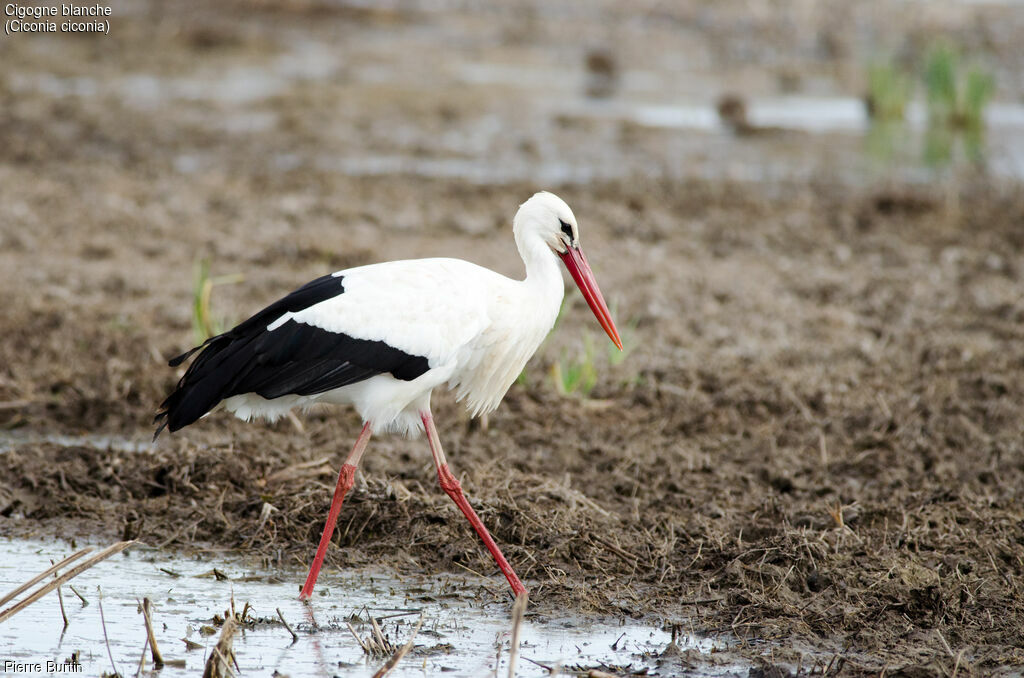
(477, 328)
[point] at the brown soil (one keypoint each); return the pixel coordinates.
(816, 440)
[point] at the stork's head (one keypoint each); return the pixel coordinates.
(546, 216)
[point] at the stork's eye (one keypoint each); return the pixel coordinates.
(567, 229)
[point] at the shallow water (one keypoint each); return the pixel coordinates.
(460, 635)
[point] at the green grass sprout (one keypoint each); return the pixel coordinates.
(204, 324)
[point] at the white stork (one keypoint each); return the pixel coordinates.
(382, 337)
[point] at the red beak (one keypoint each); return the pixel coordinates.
(584, 277)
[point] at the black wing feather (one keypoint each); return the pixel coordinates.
(294, 358)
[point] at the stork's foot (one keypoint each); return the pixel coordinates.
(453, 489)
(346, 478)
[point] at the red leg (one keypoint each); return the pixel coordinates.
(345, 479)
(453, 489)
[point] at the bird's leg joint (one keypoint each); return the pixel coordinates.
(346, 478)
(449, 483)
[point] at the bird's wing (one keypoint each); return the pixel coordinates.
(400, 318)
(425, 307)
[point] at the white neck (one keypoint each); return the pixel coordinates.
(526, 313)
(542, 272)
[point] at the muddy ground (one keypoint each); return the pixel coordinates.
(815, 442)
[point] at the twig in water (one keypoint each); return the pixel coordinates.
(549, 669)
(218, 665)
(470, 570)
(382, 642)
(142, 658)
(224, 663)
(518, 609)
(85, 603)
(158, 660)
(40, 577)
(366, 650)
(401, 614)
(103, 623)
(295, 638)
(401, 652)
(73, 572)
(60, 599)
(615, 645)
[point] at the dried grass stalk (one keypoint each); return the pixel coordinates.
(39, 577)
(518, 610)
(158, 660)
(218, 665)
(401, 652)
(70, 574)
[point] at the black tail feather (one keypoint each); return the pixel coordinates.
(177, 360)
(293, 358)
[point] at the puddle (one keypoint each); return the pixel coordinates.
(460, 636)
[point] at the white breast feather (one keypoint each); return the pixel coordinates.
(491, 363)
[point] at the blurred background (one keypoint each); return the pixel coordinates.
(549, 92)
(349, 132)
(806, 216)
